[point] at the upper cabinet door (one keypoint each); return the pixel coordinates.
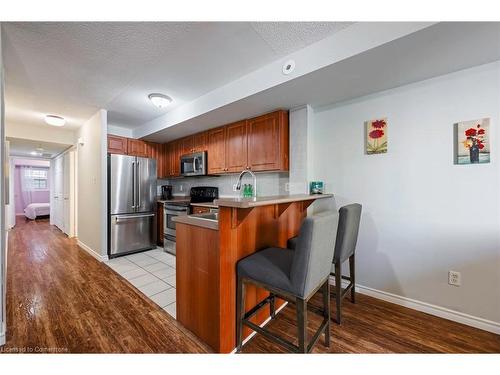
(136, 147)
(200, 142)
(175, 149)
(217, 151)
(236, 146)
(186, 145)
(268, 142)
(117, 145)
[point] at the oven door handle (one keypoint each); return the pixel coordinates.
(167, 210)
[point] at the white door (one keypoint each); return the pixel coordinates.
(59, 192)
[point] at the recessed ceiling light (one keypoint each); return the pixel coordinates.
(55, 120)
(160, 100)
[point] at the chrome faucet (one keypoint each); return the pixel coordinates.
(238, 184)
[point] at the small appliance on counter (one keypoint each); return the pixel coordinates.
(198, 194)
(166, 192)
(316, 187)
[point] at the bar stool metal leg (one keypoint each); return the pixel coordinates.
(272, 306)
(353, 278)
(301, 306)
(338, 290)
(326, 311)
(240, 313)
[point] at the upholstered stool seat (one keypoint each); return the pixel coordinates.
(270, 266)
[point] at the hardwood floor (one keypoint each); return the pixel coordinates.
(60, 299)
(375, 326)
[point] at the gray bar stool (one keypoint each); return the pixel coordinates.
(294, 276)
(345, 246)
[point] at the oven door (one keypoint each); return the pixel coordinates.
(168, 224)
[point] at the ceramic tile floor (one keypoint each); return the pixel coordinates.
(153, 273)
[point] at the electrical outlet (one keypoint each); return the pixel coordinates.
(181, 187)
(454, 278)
(235, 187)
(287, 186)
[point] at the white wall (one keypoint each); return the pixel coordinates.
(91, 185)
(3, 251)
(422, 215)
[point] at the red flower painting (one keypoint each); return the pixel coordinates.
(474, 142)
(377, 133)
(378, 124)
(376, 140)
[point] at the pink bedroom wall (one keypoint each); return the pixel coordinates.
(41, 196)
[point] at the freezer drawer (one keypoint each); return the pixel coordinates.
(132, 232)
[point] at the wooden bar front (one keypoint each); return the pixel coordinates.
(206, 266)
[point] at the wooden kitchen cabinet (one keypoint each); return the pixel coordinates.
(163, 161)
(199, 209)
(174, 151)
(217, 151)
(236, 147)
(117, 145)
(268, 142)
(136, 147)
(186, 145)
(200, 142)
(259, 144)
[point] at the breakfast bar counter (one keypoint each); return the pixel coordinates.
(208, 251)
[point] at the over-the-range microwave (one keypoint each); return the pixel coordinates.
(194, 164)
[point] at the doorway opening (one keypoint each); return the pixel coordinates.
(42, 184)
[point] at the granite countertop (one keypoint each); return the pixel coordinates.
(264, 201)
(197, 220)
(205, 204)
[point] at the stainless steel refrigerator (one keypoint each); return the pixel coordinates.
(131, 204)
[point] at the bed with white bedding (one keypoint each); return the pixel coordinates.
(34, 210)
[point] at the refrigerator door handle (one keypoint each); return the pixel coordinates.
(139, 182)
(118, 218)
(133, 184)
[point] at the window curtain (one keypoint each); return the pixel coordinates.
(26, 188)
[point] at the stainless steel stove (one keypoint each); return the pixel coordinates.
(198, 194)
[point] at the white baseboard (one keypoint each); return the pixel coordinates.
(100, 258)
(261, 325)
(441, 312)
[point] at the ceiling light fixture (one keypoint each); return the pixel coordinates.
(35, 153)
(55, 120)
(160, 100)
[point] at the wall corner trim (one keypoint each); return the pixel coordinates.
(100, 258)
(441, 312)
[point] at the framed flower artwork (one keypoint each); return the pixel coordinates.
(376, 136)
(472, 142)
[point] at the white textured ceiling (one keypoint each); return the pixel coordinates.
(73, 69)
(24, 147)
(437, 50)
